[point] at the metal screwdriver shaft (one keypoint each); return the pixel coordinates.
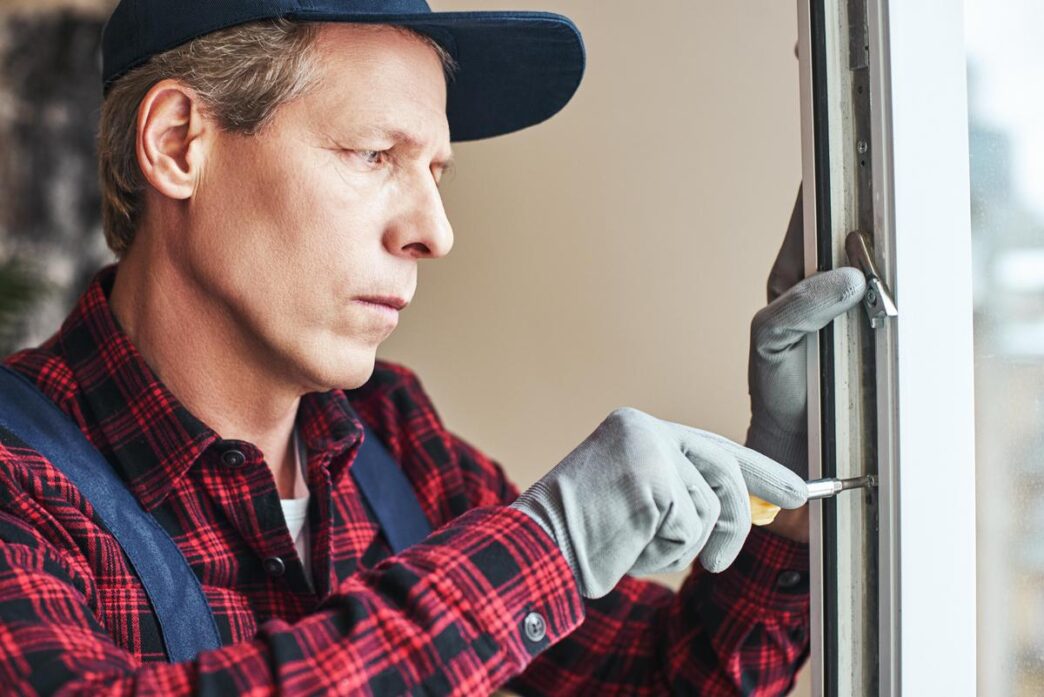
(832, 486)
(763, 512)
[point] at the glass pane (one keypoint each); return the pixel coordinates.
(1006, 123)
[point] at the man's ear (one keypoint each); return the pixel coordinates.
(171, 141)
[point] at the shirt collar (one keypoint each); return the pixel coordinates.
(145, 432)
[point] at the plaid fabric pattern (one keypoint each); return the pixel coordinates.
(445, 617)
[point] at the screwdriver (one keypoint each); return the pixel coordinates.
(762, 512)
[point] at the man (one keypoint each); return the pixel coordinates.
(270, 187)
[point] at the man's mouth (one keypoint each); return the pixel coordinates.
(389, 301)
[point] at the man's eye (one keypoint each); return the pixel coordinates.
(370, 157)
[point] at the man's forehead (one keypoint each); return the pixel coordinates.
(383, 82)
(379, 48)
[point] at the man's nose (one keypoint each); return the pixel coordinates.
(422, 230)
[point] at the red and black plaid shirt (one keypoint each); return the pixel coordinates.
(443, 617)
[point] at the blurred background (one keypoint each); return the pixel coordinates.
(611, 256)
(1006, 125)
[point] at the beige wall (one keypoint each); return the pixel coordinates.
(615, 254)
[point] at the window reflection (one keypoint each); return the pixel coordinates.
(1006, 131)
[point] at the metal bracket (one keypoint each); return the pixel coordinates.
(878, 301)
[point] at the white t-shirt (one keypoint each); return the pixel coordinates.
(295, 510)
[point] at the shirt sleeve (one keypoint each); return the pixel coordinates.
(734, 633)
(744, 631)
(741, 632)
(453, 615)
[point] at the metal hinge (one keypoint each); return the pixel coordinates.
(878, 301)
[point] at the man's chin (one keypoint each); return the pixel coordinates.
(322, 366)
(353, 369)
(357, 378)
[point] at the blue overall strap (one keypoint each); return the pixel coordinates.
(185, 619)
(389, 494)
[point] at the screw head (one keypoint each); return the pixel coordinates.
(862, 146)
(871, 296)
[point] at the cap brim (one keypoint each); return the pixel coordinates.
(514, 69)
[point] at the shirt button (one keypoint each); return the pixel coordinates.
(274, 567)
(233, 458)
(536, 628)
(788, 579)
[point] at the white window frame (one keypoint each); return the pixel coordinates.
(924, 357)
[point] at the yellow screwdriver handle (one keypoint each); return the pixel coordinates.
(761, 511)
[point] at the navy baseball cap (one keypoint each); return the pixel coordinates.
(515, 69)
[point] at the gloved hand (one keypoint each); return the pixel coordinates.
(777, 368)
(642, 496)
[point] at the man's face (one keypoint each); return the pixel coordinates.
(334, 202)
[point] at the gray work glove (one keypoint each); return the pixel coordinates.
(642, 496)
(777, 368)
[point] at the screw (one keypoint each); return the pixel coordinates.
(862, 147)
(871, 296)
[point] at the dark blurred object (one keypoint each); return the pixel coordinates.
(20, 289)
(50, 96)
